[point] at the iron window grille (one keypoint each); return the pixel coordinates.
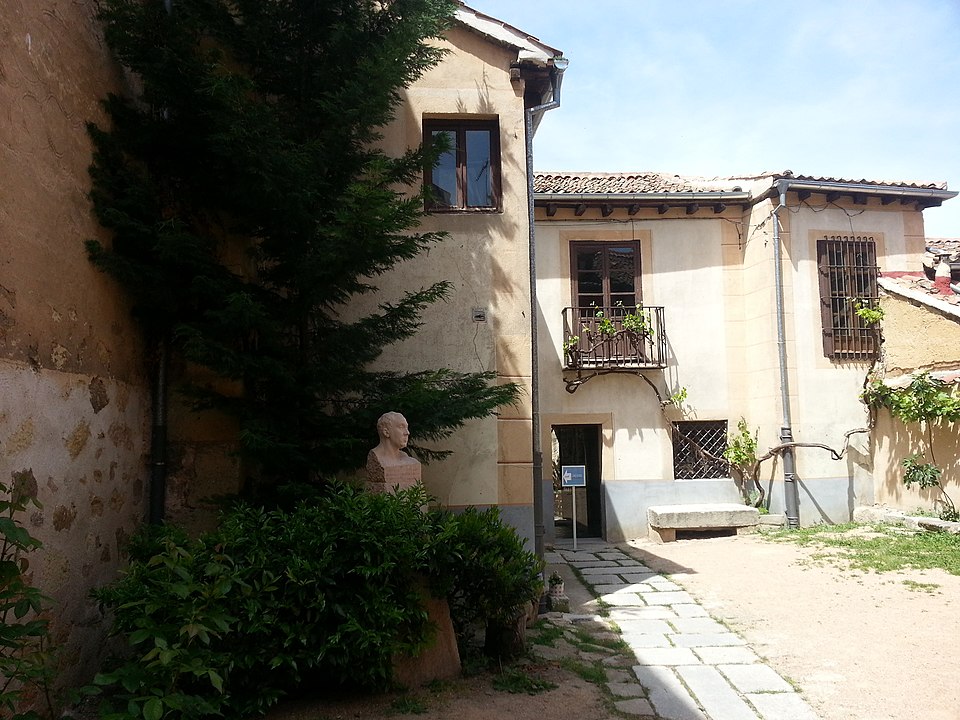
(848, 273)
(689, 438)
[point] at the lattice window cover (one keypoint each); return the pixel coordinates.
(688, 463)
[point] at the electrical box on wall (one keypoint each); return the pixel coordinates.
(479, 314)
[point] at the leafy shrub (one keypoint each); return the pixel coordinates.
(272, 600)
(231, 622)
(24, 666)
(482, 568)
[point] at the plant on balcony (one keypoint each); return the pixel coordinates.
(571, 351)
(603, 331)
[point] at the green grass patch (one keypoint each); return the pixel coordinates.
(881, 548)
(585, 638)
(518, 682)
(921, 587)
(592, 673)
(544, 633)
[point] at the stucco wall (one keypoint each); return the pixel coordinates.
(486, 259)
(683, 269)
(916, 337)
(73, 421)
(716, 278)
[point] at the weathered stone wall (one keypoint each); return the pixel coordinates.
(917, 337)
(74, 401)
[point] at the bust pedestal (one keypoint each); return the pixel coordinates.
(391, 476)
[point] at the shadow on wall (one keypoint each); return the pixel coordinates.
(893, 442)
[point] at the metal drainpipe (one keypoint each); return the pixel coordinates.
(158, 439)
(791, 494)
(157, 494)
(556, 78)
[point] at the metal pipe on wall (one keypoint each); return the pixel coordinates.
(791, 493)
(556, 78)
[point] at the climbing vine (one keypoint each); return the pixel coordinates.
(741, 453)
(926, 401)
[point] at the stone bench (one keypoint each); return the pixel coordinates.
(665, 520)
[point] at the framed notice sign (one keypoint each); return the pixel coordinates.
(573, 476)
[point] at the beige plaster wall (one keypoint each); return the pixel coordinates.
(683, 270)
(485, 258)
(894, 441)
(827, 391)
(717, 280)
(73, 400)
(916, 337)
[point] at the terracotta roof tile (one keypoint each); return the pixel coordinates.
(654, 182)
(921, 289)
(643, 182)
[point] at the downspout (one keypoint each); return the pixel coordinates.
(556, 78)
(157, 494)
(158, 438)
(791, 494)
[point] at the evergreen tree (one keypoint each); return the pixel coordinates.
(249, 205)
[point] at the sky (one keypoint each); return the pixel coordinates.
(847, 89)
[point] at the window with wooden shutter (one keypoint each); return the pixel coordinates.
(848, 272)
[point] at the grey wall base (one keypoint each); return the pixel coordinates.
(829, 500)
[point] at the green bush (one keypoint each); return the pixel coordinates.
(25, 667)
(273, 600)
(488, 573)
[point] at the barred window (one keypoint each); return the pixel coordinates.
(848, 272)
(690, 438)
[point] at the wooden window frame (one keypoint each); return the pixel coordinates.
(459, 128)
(605, 246)
(845, 262)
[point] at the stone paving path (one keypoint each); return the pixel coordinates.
(686, 665)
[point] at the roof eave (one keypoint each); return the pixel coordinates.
(732, 197)
(825, 186)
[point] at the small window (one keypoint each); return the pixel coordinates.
(467, 174)
(690, 440)
(848, 280)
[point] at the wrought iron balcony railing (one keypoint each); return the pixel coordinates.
(610, 339)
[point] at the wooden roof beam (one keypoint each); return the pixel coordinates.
(580, 209)
(662, 209)
(833, 196)
(551, 209)
(606, 209)
(633, 209)
(718, 208)
(692, 208)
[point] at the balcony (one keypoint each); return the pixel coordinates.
(618, 339)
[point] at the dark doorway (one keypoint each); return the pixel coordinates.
(578, 445)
